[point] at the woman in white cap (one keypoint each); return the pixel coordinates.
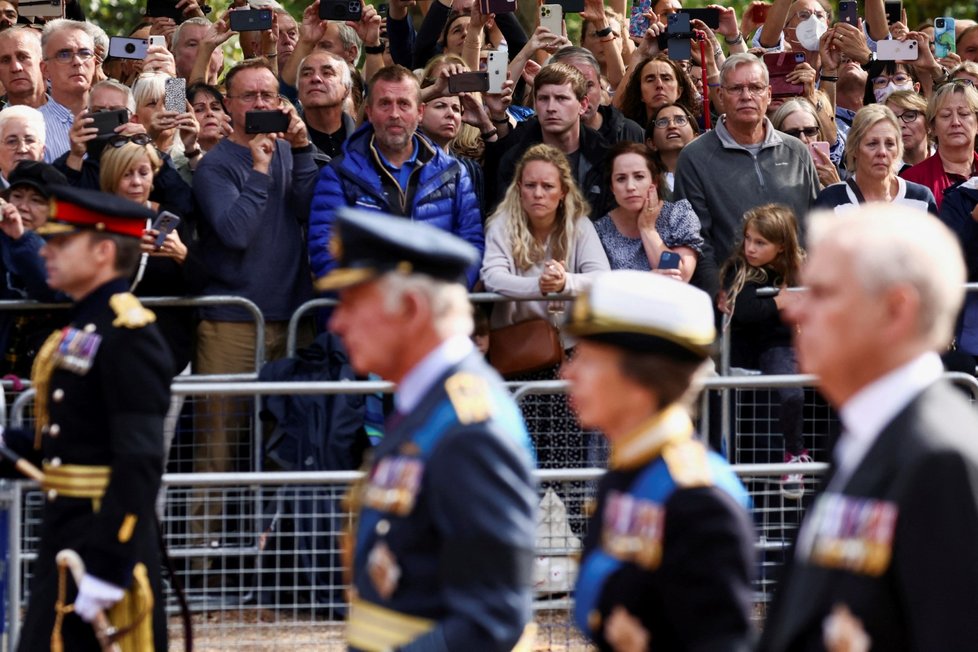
(669, 549)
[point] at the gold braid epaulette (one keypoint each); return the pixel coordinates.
(41, 379)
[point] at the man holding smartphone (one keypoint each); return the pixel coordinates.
(252, 192)
(69, 64)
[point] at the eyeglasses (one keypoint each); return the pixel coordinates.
(272, 99)
(67, 56)
(752, 89)
(136, 139)
(678, 120)
(909, 116)
(14, 142)
(960, 82)
(810, 132)
(900, 79)
(805, 14)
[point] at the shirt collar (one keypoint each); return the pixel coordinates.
(416, 383)
(409, 162)
(877, 404)
(60, 110)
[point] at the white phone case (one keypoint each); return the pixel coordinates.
(552, 17)
(496, 63)
(891, 50)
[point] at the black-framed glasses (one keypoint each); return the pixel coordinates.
(909, 116)
(810, 132)
(678, 120)
(119, 140)
(67, 56)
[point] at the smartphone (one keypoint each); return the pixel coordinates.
(122, 47)
(894, 11)
(552, 17)
(571, 6)
(469, 82)
(340, 10)
(890, 50)
(107, 121)
(944, 40)
(251, 20)
(40, 8)
(165, 9)
(680, 43)
(266, 122)
(668, 260)
(639, 22)
(164, 223)
(497, 61)
(709, 16)
(175, 95)
(848, 12)
(158, 40)
(497, 6)
(758, 13)
(383, 9)
(779, 64)
(819, 145)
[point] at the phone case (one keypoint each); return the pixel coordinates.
(680, 49)
(944, 41)
(890, 50)
(779, 64)
(107, 121)
(572, 6)
(122, 47)
(266, 122)
(497, 6)
(165, 9)
(175, 95)
(469, 82)
(164, 223)
(40, 8)
(157, 40)
(638, 22)
(496, 63)
(552, 17)
(340, 10)
(849, 12)
(669, 260)
(709, 16)
(251, 20)
(821, 146)
(759, 13)
(894, 11)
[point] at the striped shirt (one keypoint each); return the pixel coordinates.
(58, 120)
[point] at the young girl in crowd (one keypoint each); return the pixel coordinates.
(768, 255)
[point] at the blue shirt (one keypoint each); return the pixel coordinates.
(401, 174)
(57, 120)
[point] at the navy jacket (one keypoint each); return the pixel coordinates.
(439, 193)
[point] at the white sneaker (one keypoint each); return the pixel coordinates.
(793, 484)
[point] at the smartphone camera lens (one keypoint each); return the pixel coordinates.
(130, 48)
(353, 8)
(939, 22)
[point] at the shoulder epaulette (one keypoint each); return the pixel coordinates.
(469, 395)
(129, 312)
(688, 463)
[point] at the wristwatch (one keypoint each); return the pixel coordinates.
(603, 32)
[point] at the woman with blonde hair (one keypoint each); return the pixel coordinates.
(173, 132)
(540, 241)
(910, 108)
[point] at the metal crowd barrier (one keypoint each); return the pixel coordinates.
(282, 588)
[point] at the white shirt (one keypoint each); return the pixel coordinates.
(416, 383)
(874, 406)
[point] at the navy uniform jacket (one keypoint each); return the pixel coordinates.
(106, 399)
(672, 542)
(446, 527)
(908, 516)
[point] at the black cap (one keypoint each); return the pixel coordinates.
(36, 174)
(77, 209)
(366, 245)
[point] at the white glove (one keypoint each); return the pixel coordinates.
(94, 596)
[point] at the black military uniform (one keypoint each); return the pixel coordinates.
(443, 551)
(102, 392)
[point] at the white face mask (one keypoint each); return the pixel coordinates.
(882, 93)
(809, 31)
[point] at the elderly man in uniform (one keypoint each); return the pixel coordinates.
(888, 553)
(102, 392)
(443, 548)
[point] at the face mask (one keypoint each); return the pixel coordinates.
(809, 31)
(882, 93)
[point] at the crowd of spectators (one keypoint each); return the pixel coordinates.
(602, 153)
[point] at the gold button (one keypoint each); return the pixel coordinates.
(52, 494)
(57, 395)
(45, 430)
(55, 463)
(383, 527)
(594, 620)
(89, 328)
(54, 430)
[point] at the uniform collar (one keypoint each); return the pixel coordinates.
(645, 442)
(416, 383)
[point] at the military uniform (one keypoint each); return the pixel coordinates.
(102, 392)
(442, 553)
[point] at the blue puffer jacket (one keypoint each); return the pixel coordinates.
(439, 193)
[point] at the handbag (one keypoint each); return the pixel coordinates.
(532, 345)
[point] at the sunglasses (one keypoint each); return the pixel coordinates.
(136, 139)
(810, 132)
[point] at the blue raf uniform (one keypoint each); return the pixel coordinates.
(442, 550)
